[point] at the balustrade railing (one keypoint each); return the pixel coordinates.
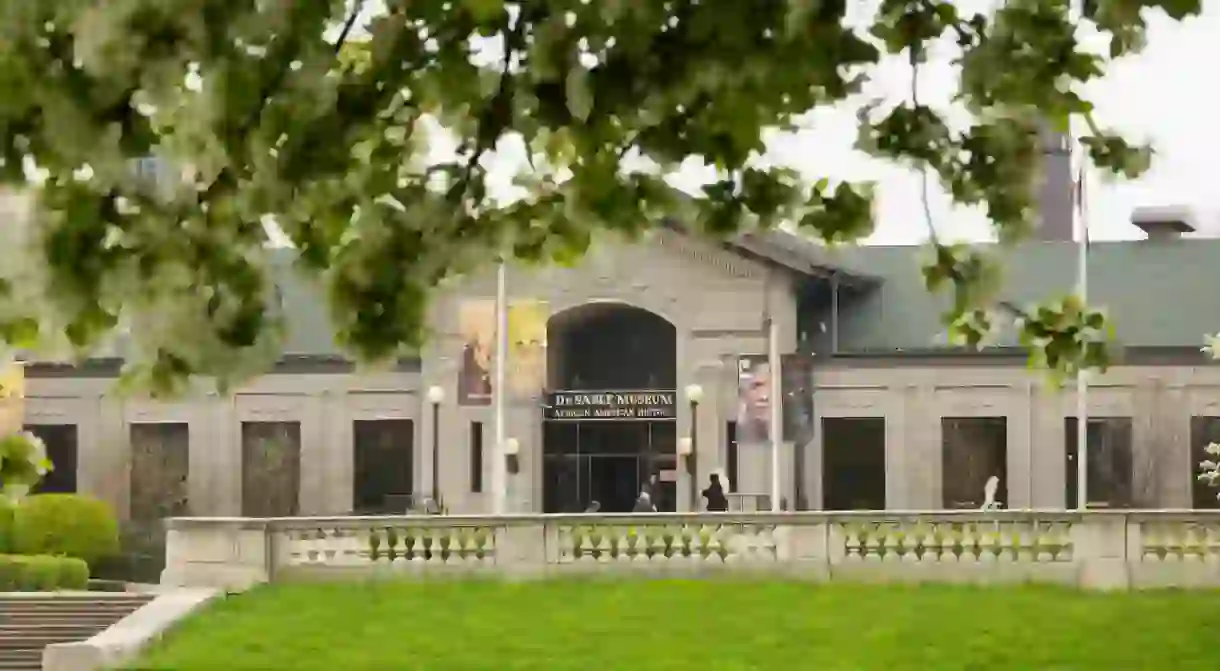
(1097, 549)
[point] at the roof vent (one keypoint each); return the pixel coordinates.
(1164, 222)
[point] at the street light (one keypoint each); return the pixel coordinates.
(694, 394)
(512, 452)
(436, 394)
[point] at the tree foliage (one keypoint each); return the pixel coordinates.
(322, 117)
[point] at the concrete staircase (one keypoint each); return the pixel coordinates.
(29, 623)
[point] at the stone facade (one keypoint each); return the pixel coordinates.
(717, 300)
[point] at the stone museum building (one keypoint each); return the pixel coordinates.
(643, 352)
(645, 366)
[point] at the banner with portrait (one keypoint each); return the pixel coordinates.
(477, 327)
(753, 400)
(526, 368)
(12, 398)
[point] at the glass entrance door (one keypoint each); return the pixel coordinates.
(609, 463)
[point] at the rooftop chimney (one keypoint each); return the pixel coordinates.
(1164, 222)
(1055, 195)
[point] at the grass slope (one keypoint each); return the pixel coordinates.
(698, 625)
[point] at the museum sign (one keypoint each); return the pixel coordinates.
(583, 406)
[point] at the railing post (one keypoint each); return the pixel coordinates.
(1099, 544)
(228, 553)
(805, 552)
(521, 549)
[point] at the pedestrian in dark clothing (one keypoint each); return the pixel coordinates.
(717, 502)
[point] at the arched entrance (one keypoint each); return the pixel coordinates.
(609, 429)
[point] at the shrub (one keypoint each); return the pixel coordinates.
(42, 573)
(65, 525)
(6, 526)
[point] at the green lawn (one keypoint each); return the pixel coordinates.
(701, 626)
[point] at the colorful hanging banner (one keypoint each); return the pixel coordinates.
(753, 400)
(477, 325)
(527, 346)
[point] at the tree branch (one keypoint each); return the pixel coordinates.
(1007, 306)
(348, 25)
(497, 114)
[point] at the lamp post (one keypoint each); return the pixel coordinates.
(686, 453)
(694, 394)
(436, 395)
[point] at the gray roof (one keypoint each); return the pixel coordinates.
(1157, 293)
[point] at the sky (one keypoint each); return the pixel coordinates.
(1156, 96)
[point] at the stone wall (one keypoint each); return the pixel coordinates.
(1099, 550)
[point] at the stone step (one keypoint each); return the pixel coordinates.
(29, 659)
(101, 599)
(42, 640)
(51, 619)
(19, 629)
(7, 608)
(68, 608)
(29, 623)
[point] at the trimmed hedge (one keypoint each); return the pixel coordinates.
(42, 573)
(66, 525)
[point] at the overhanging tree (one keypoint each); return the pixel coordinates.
(319, 117)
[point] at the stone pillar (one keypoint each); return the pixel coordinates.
(901, 439)
(1176, 469)
(1022, 432)
(215, 469)
(918, 458)
(104, 454)
(233, 555)
(1099, 542)
(521, 549)
(312, 496)
(1145, 439)
(1049, 475)
(338, 451)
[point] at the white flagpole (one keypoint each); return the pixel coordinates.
(776, 408)
(1081, 212)
(499, 469)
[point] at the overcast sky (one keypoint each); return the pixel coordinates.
(1160, 96)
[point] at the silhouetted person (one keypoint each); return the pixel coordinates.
(655, 495)
(717, 502)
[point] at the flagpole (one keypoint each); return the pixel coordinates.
(776, 408)
(1081, 212)
(499, 469)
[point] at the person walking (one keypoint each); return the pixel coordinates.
(717, 502)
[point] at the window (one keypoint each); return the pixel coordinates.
(383, 450)
(62, 449)
(853, 463)
(1203, 430)
(270, 469)
(476, 457)
(160, 463)
(973, 449)
(1110, 467)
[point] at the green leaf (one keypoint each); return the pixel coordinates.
(579, 97)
